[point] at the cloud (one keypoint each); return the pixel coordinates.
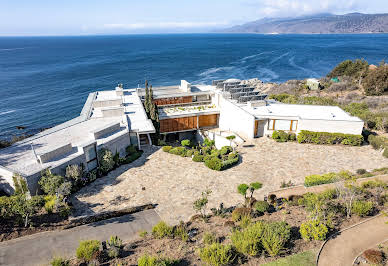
(292, 8)
(163, 25)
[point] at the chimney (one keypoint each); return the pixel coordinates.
(185, 86)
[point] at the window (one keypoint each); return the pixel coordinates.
(271, 124)
(294, 125)
(91, 157)
(282, 125)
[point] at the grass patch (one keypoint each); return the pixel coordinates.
(306, 258)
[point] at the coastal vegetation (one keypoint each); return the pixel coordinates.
(271, 232)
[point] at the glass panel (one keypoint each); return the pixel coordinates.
(282, 125)
(270, 124)
(92, 165)
(90, 153)
(294, 125)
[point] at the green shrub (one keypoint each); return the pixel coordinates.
(374, 184)
(239, 213)
(275, 236)
(292, 137)
(20, 184)
(206, 150)
(329, 194)
(248, 241)
(161, 230)
(261, 206)
(143, 233)
(313, 230)
(167, 148)
(216, 254)
(349, 68)
(209, 238)
(385, 152)
(229, 163)
(189, 153)
(214, 164)
(280, 136)
(198, 158)
(314, 180)
(226, 150)
(59, 262)
(50, 182)
(185, 142)
(105, 160)
(361, 171)
(130, 149)
(215, 153)
(50, 203)
(180, 231)
(178, 151)
(147, 260)
(362, 208)
(233, 155)
(329, 138)
(87, 249)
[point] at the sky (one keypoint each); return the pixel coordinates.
(84, 17)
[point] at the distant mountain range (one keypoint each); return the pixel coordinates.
(317, 24)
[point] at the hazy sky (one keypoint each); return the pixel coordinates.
(74, 17)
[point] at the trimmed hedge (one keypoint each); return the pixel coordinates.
(198, 158)
(229, 163)
(314, 180)
(282, 136)
(306, 136)
(167, 148)
(214, 164)
(178, 151)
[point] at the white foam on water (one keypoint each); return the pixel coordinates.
(7, 112)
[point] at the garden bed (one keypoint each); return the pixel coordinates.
(213, 158)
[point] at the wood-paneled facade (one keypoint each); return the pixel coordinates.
(188, 123)
(173, 100)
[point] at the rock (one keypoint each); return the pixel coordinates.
(192, 232)
(128, 247)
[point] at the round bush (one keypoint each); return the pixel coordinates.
(261, 206)
(217, 254)
(214, 164)
(87, 249)
(313, 230)
(362, 208)
(198, 158)
(238, 213)
(167, 148)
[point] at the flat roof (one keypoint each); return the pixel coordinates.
(20, 157)
(174, 91)
(134, 113)
(313, 112)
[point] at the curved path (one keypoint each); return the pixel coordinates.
(343, 248)
(39, 249)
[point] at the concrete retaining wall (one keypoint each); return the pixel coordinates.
(346, 127)
(107, 103)
(6, 181)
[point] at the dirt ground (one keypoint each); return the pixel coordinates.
(174, 183)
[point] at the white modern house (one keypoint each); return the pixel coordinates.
(116, 119)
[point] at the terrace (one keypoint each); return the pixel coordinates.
(187, 110)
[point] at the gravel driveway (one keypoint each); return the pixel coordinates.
(174, 182)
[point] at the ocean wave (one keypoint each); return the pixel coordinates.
(13, 49)
(267, 74)
(214, 70)
(7, 112)
(307, 71)
(246, 58)
(278, 58)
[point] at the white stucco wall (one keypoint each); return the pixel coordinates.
(6, 181)
(234, 119)
(346, 127)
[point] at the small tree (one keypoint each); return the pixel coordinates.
(20, 185)
(231, 138)
(348, 191)
(200, 204)
(50, 182)
(243, 189)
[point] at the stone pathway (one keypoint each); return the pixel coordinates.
(39, 249)
(345, 247)
(174, 183)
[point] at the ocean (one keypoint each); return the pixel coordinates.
(45, 81)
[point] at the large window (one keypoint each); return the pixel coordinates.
(281, 124)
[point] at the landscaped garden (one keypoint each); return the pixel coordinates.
(22, 214)
(276, 231)
(207, 153)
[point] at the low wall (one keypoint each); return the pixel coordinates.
(107, 103)
(346, 127)
(6, 181)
